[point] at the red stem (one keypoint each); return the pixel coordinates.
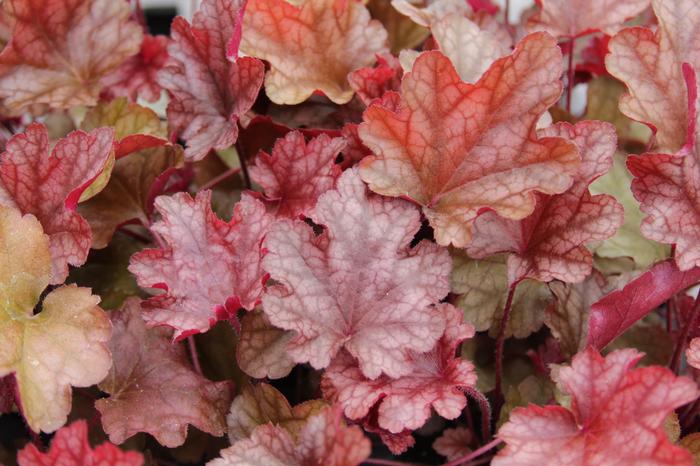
(485, 409)
(500, 341)
(219, 178)
(475, 454)
(241, 158)
(570, 75)
(194, 355)
(680, 344)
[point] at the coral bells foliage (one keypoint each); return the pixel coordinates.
(336, 232)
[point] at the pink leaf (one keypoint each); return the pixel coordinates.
(617, 416)
(574, 18)
(297, 172)
(208, 268)
(70, 447)
(153, 387)
(693, 353)
(358, 285)
(61, 49)
(616, 312)
(209, 92)
(435, 380)
(137, 76)
(324, 440)
(370, 83)
(49, 184)
(551, 243)
(454, 443)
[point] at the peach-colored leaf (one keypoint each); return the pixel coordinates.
(649, 63)
(209, 92)
(692, 354)
(324, 440)
(154, 388)
(457, 148)
(262, 348)
(453, 443)
(358, 285)
(436, 380)
(208, 268)
(616, 417)
(70, 447)
(59, 347)
(297, 172)
(137, 76)
(550, 243)
(49, 184)
(262, 404)
(61, 49)
(567, 18)
(312, 47)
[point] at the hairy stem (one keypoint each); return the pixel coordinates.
(500, 341)
(570, 75)
(475, 454)
(194, 355)
(683, 337)
(485, 409)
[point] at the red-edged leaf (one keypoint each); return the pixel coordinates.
(153, 387)
(457, 148)
(649, 63)
(668, 189)
(297, 172)
(311, 47)
(209, 92)
(48, 186)
(324, 440)
(61, 49)
(358, 285)
(567, 18)
(136, 77)
(208, 268)
(617, 416)
(372, 82)
(550, 243)
(616, 312)
(70, 447)
(436, 380)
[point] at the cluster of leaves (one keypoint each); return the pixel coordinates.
(343, 231)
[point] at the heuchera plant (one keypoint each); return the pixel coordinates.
(344, 232)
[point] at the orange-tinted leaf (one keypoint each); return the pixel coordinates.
(62, 345)
(617, 416)
(567, 18)
(311, 47)
(551, 243)
(61, 49)
(209, 92)
(48, 186)
(457, 148)
(153, 387)
(650, 64)
(70, 447)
